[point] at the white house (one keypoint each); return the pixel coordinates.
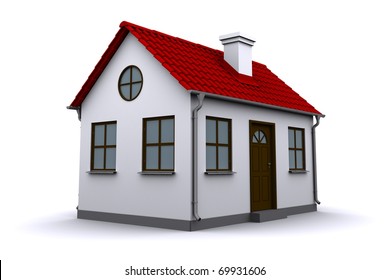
(178, 135)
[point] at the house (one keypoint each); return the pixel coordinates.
(178, 135)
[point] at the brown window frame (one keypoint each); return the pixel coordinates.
(130, 83)
(159, 144)
(295, 148)
(104, 146)
(217, 144)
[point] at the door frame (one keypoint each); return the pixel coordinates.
(271, 127)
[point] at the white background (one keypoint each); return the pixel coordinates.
(336, 54)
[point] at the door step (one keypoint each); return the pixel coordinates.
(267, 215)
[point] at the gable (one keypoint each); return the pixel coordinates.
(202, 69)
(104, 100)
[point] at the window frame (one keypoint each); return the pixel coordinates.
(295, 149)
(104, 146)
(130, 83)
(217, 144)
(159, 144)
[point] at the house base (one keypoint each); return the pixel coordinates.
(256, 217)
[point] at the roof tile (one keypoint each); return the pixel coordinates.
(201, 68)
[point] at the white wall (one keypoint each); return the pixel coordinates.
(128, 192)
(230, 194)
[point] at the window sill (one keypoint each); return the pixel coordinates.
(104, 172)
(220, 172)
(157, 172)
(298, 171)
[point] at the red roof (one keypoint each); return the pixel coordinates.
(203, 69)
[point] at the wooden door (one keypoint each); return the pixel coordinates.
(262, 165)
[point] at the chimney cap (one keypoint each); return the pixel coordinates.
(237, 37)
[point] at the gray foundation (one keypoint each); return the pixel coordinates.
(256, 217)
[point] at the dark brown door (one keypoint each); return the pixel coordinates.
(262, 166)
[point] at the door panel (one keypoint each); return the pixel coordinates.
(266, 190)
(256, 161)
(262, 180)
(256, 191)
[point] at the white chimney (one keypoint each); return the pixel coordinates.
(238, 52)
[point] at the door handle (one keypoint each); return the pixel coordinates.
(269, 165)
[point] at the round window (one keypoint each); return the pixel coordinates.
(130, 83)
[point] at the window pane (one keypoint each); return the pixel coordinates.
(223, 157)
(152, 157)
(291, 141)
(111, 134)
(263, 138)
(99, 135)
(167, 157)
(223, 136)
(125, 78)
(211, 157)
(167, 131)
(255, 138)
(135, 89)
(299, 155)
(211, 127)
(136, 75)
(152, 132)
(298, 137)
(125, 90)
(98, 158)
(110, 158)
(292, 159)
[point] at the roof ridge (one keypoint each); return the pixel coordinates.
(126, 24)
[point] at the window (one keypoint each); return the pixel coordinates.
(218, 144)
(103, 152)
(130, 83)
(296, 147)
(259, 137)
(158, 144)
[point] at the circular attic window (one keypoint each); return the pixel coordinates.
(130, 83)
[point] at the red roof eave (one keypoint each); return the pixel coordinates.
(99, 68)
(312, 112)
